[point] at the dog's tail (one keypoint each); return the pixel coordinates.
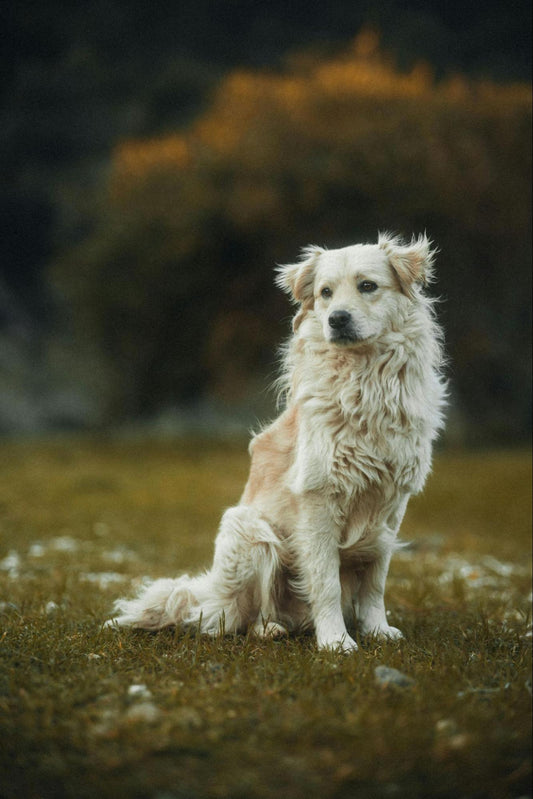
(167, 602)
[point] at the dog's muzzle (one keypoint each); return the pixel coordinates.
(342, 327)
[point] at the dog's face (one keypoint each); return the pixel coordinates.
(355, 292)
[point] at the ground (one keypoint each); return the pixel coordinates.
(92, 712)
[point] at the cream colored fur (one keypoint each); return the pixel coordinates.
(310, 542)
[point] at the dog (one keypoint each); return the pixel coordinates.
(309, 544)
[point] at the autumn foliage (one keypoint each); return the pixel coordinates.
(176, 281)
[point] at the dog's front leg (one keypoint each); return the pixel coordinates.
(372, 613)
(318, 563)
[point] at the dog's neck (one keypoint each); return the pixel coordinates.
(395, 375)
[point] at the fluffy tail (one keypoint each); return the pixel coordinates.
(163, 603)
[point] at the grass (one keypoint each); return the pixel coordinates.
(82, 521)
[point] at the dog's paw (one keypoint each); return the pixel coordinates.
(270, 629)
(385, 632)
(342, 643)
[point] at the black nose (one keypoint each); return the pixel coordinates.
(339, 319)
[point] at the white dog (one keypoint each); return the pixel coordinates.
(310, 542)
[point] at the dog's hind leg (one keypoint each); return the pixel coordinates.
(238, 590)
(245, 568)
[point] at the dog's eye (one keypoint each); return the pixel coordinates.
(326, 293)
(367, 286)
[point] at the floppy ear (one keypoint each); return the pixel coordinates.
(298, 279)
(412, 263)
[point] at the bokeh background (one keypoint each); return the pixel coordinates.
(158, 159)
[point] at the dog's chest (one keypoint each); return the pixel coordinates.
(370, 474)
(368, 448)
(360, 473)
(377, 442)
(362, 432)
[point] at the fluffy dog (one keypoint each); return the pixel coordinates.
(309, 544)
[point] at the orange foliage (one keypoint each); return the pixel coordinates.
(251, 111)
(326, 151)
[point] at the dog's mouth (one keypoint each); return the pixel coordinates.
(344, 337)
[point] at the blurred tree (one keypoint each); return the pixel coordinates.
(176, 282)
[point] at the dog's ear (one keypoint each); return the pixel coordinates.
(412, 263)
(298, 279)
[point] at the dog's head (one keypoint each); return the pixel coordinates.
(355, 292)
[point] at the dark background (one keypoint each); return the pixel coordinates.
(101, 325)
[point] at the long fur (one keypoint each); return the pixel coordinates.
(310, 542)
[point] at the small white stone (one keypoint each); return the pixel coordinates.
(11, 562)
(6, 607)
(385, 675)
(65, 543)
(139, 691)
(37, 551)
(446, 727)
(143, 711)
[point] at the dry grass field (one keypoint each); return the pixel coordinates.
(93, 712)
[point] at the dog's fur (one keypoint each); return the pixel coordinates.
(310, 542)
